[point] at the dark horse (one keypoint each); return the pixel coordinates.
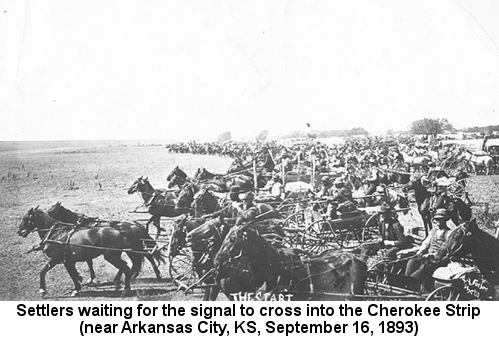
(205, 243)
(247, 262)
(468, 238)
(157, 204)
(458, 210)
(68, 244)
(131, 230)
(204, 202)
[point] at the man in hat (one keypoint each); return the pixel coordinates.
(326, 187)
(425, 262)
(392, 232)
(228, 210)
(373, 181)
(247, 210)
(341, 199)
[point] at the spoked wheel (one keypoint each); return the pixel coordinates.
(370, 229)
(318, 236)
(348, 239)
(445, 293)
(181, 270)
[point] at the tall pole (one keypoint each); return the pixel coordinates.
(255, 175)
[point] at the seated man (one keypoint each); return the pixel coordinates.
(392, 232)
(425, 263)
(228, 209)
(247, 211)
(341, 199)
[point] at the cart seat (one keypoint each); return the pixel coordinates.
(452, 271)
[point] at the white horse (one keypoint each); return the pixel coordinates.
(479, 160)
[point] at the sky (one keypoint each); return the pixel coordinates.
(86, 69)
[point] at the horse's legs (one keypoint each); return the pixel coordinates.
(156, 220)
(73, 273)
(43, 287)
(136, 264)
(154, 266)
(90, 265)
(115, 259)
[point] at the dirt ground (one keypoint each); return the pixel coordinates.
(94, 181)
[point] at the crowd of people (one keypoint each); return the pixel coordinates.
(368, 159)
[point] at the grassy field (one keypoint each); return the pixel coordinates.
(94, 181)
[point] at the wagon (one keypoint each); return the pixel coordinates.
(386, 281)
(347, 232)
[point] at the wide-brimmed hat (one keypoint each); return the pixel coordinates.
(325, 179)
(441, 214)
(235, 189)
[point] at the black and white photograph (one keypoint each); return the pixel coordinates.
(249, 150)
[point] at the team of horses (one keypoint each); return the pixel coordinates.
(232, 258)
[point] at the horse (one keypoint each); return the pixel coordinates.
(205, 242)
(177, 172)
(423, 201)
(131, 230)
(69, 244)
(479, 161)
(204, 202)
(427, 203)
(418, 162)
(468, 238)
(247, 262)
(157, 204)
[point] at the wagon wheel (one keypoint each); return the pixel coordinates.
(293, 228)
(453, 167)
(181, 270)
(348, 238)
(318, 236)
(445, 293)
(370, 229)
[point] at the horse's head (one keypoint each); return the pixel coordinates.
(176, 172)
(457, 243)
(138, 186)
(28, 223)
(62, 214)
(176, 181)
(179, 236)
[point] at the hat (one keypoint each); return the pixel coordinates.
(235, 189)
(339, 180)
(438, 168)
(441, 214)
(325, 179)
(385, 208)
(380, 188)
(246, 195)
